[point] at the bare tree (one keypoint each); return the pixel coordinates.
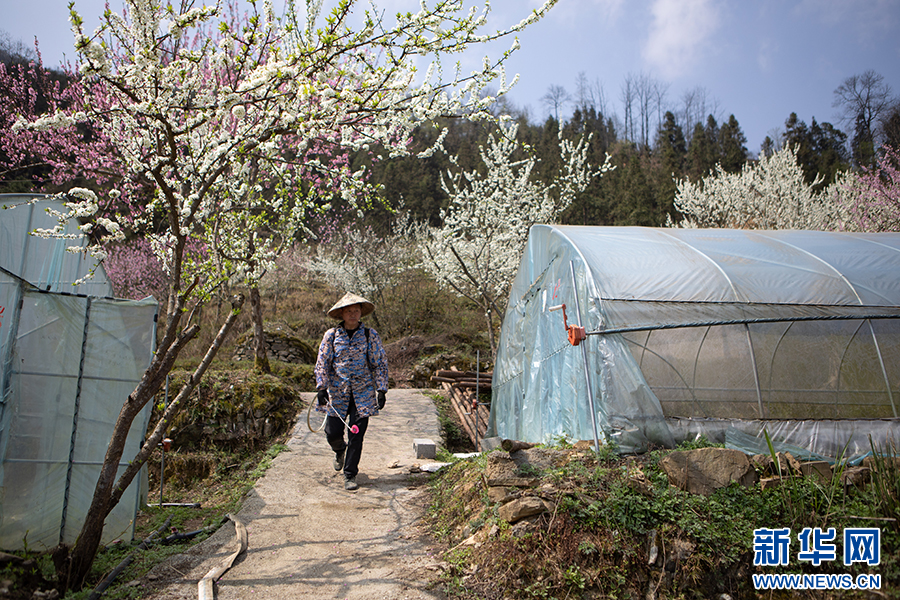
(645, 98)
(696, 105)
(555, 98)
(658, 93)
(863, 101)
(629, 92)
(590, 94)
(12, 50)
(647, 95)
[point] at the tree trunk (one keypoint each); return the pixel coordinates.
(107, 493)
(261, 359)
(489, 317)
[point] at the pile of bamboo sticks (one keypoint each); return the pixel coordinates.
(464, 379)
(463, 388)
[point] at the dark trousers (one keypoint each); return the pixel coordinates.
(334, 433)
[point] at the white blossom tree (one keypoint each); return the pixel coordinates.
(228, 130)
(477, 250)
(360, 259)
(769, 194)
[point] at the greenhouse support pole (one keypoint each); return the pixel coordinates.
(584, 357)
(77, 403)
(477, 396)
(759, 402)
(887, 380)
(162, 460)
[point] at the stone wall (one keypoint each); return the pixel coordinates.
(281, 345)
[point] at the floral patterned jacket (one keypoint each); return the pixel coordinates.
(341, 367)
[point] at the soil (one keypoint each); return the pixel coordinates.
(311, 539)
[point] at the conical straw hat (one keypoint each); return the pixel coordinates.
(349, 299)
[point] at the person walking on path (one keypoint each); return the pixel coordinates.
(351, 382)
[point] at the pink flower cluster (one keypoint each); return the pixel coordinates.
(877, 201)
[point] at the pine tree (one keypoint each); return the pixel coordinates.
(671, 153)
(819, 149)
(701, 157)
(891, 129)
(732, 144)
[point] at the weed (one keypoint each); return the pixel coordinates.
(609, 452)
(528, 470)
(701, 441)
(561, 441)
(886, 483)
(444, 455)
(807, 502)
(587, 548)
(457, 561)
(574, 578)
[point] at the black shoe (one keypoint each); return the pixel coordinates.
(351, 484)
(339, 459)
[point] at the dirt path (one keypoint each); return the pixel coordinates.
(311, 539)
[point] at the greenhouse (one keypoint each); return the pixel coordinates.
(731, 334)
(69, 356)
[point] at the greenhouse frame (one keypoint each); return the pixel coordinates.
(730, 334)
(69, 356)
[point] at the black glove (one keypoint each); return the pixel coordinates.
(322, 397)
(381, 399)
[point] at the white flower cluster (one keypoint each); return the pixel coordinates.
(55, 120)
(360, 259)
(81, 205)
(770, 194)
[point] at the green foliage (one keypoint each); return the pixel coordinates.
(528, 470)
(821, 150)
(701, 441)
(597, 540)
(609, 452)
(886, 483)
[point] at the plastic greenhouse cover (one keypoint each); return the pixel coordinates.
(69, 363)
(751, 316)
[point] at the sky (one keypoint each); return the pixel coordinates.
(759, 60)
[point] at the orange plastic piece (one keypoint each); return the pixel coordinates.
(576, 334)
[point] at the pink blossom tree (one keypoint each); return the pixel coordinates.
(876, 194)
(59, 154)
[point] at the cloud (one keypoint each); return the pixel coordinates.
(575, 12)
(679, 31)
(765, 54)
(871, 21)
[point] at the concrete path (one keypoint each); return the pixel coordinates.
(311, 539)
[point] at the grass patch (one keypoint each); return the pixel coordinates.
(609, 512)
